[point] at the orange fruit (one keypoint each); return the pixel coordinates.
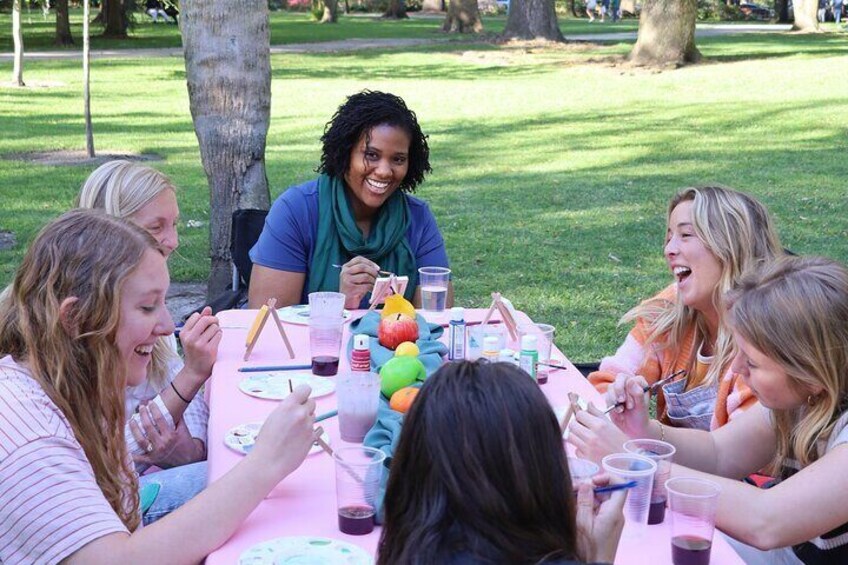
(402, 400)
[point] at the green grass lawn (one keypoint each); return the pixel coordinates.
(552, 168)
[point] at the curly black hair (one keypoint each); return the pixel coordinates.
(361, 113)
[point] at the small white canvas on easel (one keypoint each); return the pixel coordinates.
(259, 323)
(386, 286)
(506, 310)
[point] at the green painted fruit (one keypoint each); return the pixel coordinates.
(399, 372)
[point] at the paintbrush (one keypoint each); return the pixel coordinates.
(274, 368)
(613, 488)
(650, 389)
(326, 415)
(326, 447)
(386, 273)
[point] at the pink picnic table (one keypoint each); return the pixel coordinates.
(304, 504)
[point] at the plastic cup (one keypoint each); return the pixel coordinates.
(692, 505)
(434, 287)
(358, 473)
(326, 324)
(544, 340)
(581, 471)
(626, 467)
(661, 453)
(476, 335)
(358, 396)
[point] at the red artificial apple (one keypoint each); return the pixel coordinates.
(395, 329)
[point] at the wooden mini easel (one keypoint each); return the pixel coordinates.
(506, 315)
(259, 324)
(384, 285)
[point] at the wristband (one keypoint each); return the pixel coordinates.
(181, 397)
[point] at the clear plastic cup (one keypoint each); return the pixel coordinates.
(581, 471)
(358, 396)
(358, 473)
(544, 340)
(692, 507)
(626, 467)
(326, 305)
(325, 344)
(476, 335)
(661, 453)
(434, 287)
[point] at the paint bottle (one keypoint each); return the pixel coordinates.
(529, 355)
(360, 357)
(507, 356)
(490, 348)
(456, 349)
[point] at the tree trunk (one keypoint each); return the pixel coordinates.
(86, 77)
(331, 12)
(115, 21)
(532, 19)
(572, 7)
(396, 10)
(806, 12)
(463, 17)
(666, 34)
(228, 70)
(63, 24)
(18, 38)
(781, 9)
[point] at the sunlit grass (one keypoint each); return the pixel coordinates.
(551, 173)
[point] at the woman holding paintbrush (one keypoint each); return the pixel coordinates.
(714, 236)
(337, 232)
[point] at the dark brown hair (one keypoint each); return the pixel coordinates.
(480, 470)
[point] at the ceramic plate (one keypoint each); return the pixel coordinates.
(305, 551)
(242, 437)
(299, 314)
(275, 386)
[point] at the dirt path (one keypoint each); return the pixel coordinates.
(703, 30)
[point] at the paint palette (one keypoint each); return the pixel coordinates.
(299, 314)
(275, 385)
(242, 438)
(305, 550)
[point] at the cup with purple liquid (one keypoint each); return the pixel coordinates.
(359, 471)
(326, 325)
(661, 453)
(692, 505)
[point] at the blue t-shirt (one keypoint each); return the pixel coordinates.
(287, 242)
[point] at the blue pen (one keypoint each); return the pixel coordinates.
(613, 488)
(274, 368)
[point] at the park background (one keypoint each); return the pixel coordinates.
(552, 162)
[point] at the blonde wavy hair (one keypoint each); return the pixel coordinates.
(737, 230)
(794, 311)
(122, 188)
(87, 255)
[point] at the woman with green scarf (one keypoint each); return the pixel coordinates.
(337, 232)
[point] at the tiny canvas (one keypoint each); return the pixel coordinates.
(386, 286)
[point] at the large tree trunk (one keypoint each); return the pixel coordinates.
(396, 10)
(115, 20)
(228, 70)
(463, 17)
(331, 12)
(666, 34)
(18, 38)
(532, 19)
(86, 77)
(806, 12)
(63, 24)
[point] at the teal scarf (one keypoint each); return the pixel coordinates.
(339, 239)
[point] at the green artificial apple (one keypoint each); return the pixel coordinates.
(400, 372)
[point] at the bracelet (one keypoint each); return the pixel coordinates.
(662, 429)
(178, 393)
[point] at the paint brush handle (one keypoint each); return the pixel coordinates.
(326, 416)
(613, 488)
(274, 368)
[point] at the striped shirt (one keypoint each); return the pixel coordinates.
(50, 504)
(195, 416)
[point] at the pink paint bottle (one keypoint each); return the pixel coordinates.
(360, 357)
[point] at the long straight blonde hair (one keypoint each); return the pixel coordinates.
(87, 255)
(795, 312)
(122, 188)
(737, 230)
